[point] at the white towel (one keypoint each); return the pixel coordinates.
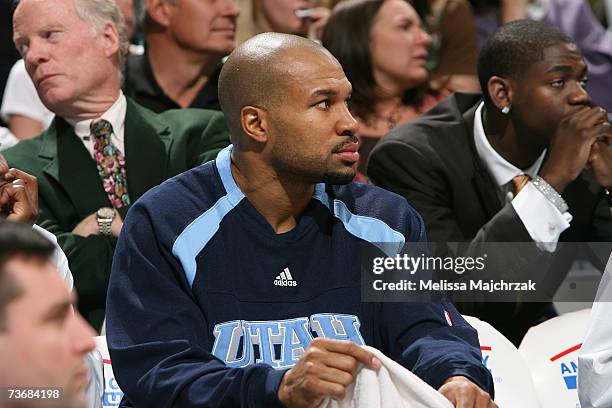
(393, 386)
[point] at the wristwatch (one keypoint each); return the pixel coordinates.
(105, 217)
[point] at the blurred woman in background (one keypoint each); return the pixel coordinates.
(301, 17)
(383, 50)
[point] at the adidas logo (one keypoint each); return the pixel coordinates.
(284, 279)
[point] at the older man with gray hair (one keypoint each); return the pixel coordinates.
(103, 151)
(185, 43)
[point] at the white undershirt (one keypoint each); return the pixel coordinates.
(115, 115)
(543, 221)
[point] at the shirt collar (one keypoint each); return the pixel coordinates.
(499, 168)
(115, 115)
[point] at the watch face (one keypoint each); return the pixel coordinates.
(106, 213)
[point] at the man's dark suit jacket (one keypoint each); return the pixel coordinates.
(157, 147)
(432, 161)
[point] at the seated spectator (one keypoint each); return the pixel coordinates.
(383, 50)
(258, 248)
(574, 17)
(43, 342)
(300, 17)
(21, 107)
(595, 359)
(102, 151)
(466, 165)
(185, 41)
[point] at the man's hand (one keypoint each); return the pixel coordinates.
(465, 394)
(89, 226)
(570, 147)
(15, 201)
(326, 368)
(29, 181)
(116, 225)
(600, 163)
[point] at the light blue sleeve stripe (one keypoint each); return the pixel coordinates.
(200, 231)
(370, 229)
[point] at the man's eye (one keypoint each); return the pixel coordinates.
(558, 83)
(584, 82)
(51, 34)
(324, 104)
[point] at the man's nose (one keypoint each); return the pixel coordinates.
(231, 8)
(580, 96)
(36, 54)
(82, 335)
(347, 125)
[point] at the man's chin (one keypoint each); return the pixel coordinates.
(339, 177)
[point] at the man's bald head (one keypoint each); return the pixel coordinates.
(259, 72)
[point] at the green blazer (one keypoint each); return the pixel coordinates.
(157, 147)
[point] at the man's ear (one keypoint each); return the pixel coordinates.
(111, 40)
(159, 11)
(254, 123)
(501, 92)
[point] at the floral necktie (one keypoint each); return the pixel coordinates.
(111, 164)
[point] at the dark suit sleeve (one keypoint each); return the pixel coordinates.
(403, 169)
(418, 175)
(90, 261)
(206, 145)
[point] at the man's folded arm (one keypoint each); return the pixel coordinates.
(402, 168)
(156, 333)
(434, 342)
(89, 258)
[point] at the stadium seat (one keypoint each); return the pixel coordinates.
(513, 384)
(551, 352)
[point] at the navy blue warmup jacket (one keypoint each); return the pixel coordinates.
(208, 306)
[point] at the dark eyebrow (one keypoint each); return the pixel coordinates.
(324, 92)
(565, 69)
(58, 309)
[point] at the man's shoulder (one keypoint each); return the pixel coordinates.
(190, 115)
(199, 186)
(443, 124)
(24, 155)
(174, 118)
(366, 200)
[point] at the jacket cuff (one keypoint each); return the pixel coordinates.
(269, 387)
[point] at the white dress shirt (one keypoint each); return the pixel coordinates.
(20, 98)
(115, 115)
(543, 221)
(58, 258)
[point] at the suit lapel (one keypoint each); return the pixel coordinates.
(482, 181)
(73, 168)
(147, 142)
